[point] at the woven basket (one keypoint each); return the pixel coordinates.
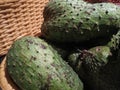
(19, 18)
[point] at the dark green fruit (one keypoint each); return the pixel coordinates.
(98, 66)
(34, 65)
(79, 21)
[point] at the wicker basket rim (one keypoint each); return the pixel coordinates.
(7, 1)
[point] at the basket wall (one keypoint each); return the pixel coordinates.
(19, 18)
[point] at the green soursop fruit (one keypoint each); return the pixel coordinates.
(34, 65)
(79, 21)
(97, 67)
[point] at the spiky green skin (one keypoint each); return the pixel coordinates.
(79, 21)
(35, 65)
(98, 68)
(97, 54)
(115, 41)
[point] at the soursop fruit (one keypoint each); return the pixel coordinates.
(79, 21)
(98, 67)
(34, 65)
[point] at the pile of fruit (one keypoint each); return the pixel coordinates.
(78, 50)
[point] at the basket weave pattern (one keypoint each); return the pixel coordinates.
(19, 18)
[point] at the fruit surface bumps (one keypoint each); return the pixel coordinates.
(114, 43)
(97, 67)
(35, 65)
(79, 21)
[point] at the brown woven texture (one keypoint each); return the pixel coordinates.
(19, 18)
